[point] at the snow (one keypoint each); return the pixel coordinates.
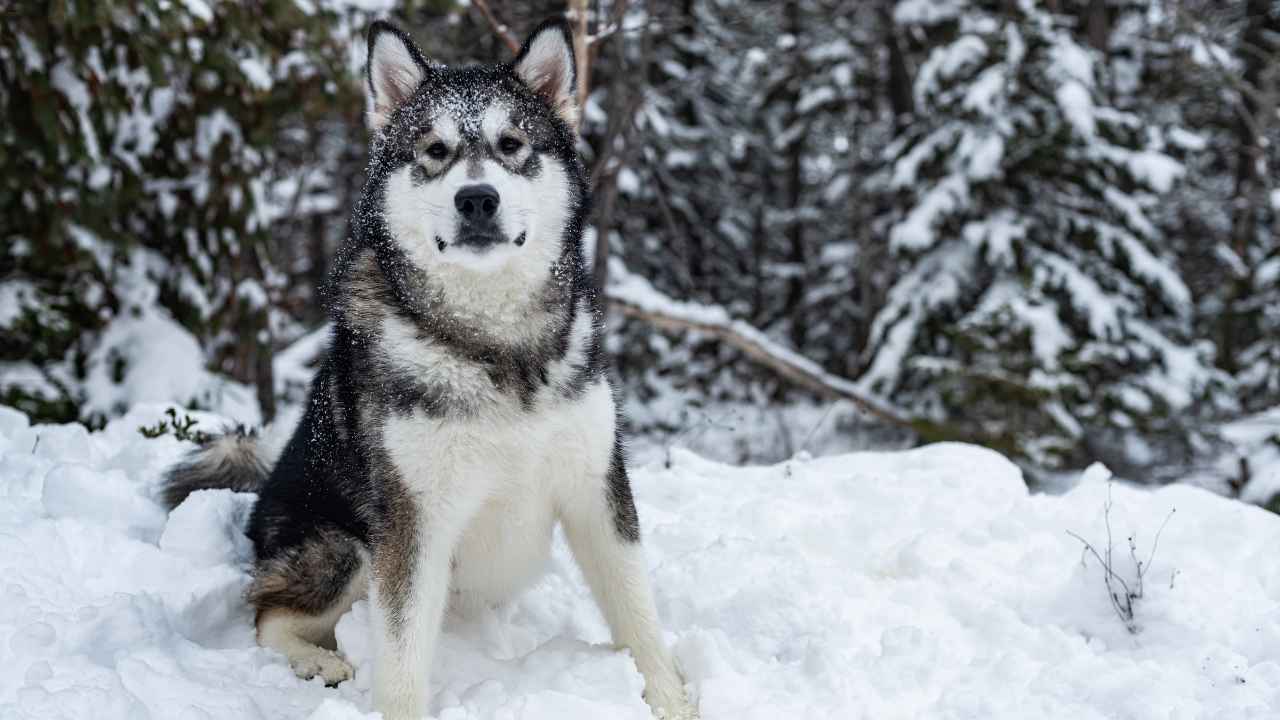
(199, 8)
(937, 280)
(998, 232)
(1049, 337)
(815, 97)
(16, 297)
(1256, 440)
(1070, 60)
(1157, 170)
(948, 62)
(1183, 371)
(907, 169)
(1101, 309)
(256, 72)
(76, 92)
(1147, 266)
(927, 12)
(635, 290)
(1187, 140)
(31, 57)
(1077, 105)
(919, 230)
(125, 368)
(982, 152)
(628, 182)
(984, 95)
(919, 584)
(27, 377)
(211, 128)
(252, 294)
(294, 366)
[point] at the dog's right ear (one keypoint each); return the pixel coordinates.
(547, 66)
(395, 70)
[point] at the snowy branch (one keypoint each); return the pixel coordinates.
(634, 297)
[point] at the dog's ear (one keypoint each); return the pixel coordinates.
(546, 65)
(395, 69)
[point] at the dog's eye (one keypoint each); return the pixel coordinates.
(509, 145)
(437, 151)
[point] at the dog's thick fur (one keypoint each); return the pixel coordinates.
(462, 409)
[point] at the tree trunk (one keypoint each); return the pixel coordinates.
(578, 23)
(1097, 25)
(898, 83)
(318, 266)
(1260, 49)
(795, 179)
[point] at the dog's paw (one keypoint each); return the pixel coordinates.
(322, 663)
(672, 704)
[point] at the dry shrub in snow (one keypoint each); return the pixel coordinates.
(1124, 594)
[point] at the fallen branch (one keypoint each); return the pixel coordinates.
(633, 297)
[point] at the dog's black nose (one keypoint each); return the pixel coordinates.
(477, 202)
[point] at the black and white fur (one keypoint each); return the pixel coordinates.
(462, 409)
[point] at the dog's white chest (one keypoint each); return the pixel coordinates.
(503, 478)
(507, 544)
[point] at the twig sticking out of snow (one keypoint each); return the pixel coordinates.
(1123, 596)
(804, 446)
(701, 425)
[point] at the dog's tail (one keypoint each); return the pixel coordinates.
(237, 460)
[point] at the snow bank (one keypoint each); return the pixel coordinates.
(919, 584)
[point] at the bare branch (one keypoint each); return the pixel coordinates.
(499, 28)
(1123, 602)
(1123, 609)
(577, 15)
(1156, 543)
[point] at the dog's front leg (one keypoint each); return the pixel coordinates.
(409, 590)
(602, 530)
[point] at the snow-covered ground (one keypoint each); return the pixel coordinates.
(917, 584)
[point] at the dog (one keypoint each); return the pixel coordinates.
(462, 409)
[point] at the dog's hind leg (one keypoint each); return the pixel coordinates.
(601, 526)
(301, 593)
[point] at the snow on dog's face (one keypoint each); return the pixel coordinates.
(481, 176)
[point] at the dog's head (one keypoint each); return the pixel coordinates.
(478, 163)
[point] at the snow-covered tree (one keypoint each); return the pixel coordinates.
(735, 190)
(1036, 307)
(147, 154)
(1212, 68)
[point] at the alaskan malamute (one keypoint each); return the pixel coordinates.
(462, 409)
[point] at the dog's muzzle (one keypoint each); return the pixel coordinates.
(477, 207)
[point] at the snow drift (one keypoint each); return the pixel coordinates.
(920, 584)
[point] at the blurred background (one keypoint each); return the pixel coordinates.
(1046, 227)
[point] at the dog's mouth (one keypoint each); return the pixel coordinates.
(480, 241)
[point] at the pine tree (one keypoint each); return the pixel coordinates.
(149, 150)
(1034, 307)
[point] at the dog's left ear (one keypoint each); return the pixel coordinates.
(394, 71)
(546, 65)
